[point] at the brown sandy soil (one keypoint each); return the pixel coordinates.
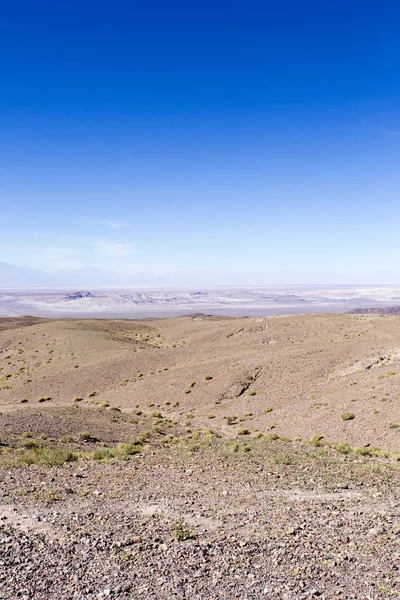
(200, 457)
(309, 370)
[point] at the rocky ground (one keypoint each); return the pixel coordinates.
(254, 519)
(117, 480)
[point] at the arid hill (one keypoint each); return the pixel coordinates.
(295, 376)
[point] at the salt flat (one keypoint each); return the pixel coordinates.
(131, 303)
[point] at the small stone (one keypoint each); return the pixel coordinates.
(376, 531)
(136, 539)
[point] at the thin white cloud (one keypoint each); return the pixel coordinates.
(114, 224)
(53, 250)
(113, 249)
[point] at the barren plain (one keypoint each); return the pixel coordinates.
(200, 457)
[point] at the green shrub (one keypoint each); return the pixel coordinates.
(103, 453)
(66, 439)
(124, 450)
(180, 532)
(51, 457)
(43, 398)
(283, 459)
(316, 440)
(347, 416)
(242, 431)
(343, 448)
(28, 444)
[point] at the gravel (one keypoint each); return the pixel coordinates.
(325, 527)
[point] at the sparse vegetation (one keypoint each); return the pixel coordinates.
(316, 440)
(242, 431)
(156, 415)
(388, 374)
(283, 458)
(272, 437)
(180, 532)
(43, 398)
(347, 416)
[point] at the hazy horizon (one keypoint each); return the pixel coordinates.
(89, 276)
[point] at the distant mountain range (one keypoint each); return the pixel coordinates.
(13, 276)
(387, 310)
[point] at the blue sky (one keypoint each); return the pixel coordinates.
(214, 142)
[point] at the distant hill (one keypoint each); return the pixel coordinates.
(387, 310)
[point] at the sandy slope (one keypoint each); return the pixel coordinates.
(305, 370)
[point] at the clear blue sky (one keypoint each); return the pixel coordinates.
(225, 141)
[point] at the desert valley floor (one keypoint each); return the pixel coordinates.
(200, 457)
